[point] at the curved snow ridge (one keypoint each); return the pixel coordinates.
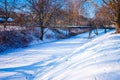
(98, 59)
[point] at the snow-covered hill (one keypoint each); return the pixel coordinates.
(77, 58)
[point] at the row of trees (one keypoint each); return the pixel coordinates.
(43, 13)
(109, 13)
(51, 13)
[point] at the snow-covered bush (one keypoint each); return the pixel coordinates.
(58, 33)
(14, 39)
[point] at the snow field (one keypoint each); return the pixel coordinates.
(76, 58)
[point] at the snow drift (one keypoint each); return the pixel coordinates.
(97, 60)
(77, 58)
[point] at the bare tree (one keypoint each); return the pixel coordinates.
(74, 8)
(114, 5)
(104, 17)
(43, 11)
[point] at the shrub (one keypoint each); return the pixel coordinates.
(14, 39)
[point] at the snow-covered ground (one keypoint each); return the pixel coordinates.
(76, 58)
(9, 28)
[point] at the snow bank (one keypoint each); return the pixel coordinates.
(76, 58)
(97, 60)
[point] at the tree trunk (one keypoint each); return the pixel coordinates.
(41, 29)
(41, 20)
(41, 33)
(5, 24)
(90, 32)
(117, 23)
(96, 30)
(105, 29)
(117, 26)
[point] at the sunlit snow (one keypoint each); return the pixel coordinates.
(76, 58)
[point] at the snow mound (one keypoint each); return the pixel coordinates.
(76, 58)
(99, 59)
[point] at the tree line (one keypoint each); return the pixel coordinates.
(52, 13)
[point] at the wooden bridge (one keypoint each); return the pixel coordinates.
(66, 26)
(80, 27)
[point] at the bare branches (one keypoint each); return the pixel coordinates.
(114, 5)
(105, 2)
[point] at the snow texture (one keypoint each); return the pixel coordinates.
(76, 58)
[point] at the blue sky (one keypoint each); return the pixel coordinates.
(99, 2)
(90, 8)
